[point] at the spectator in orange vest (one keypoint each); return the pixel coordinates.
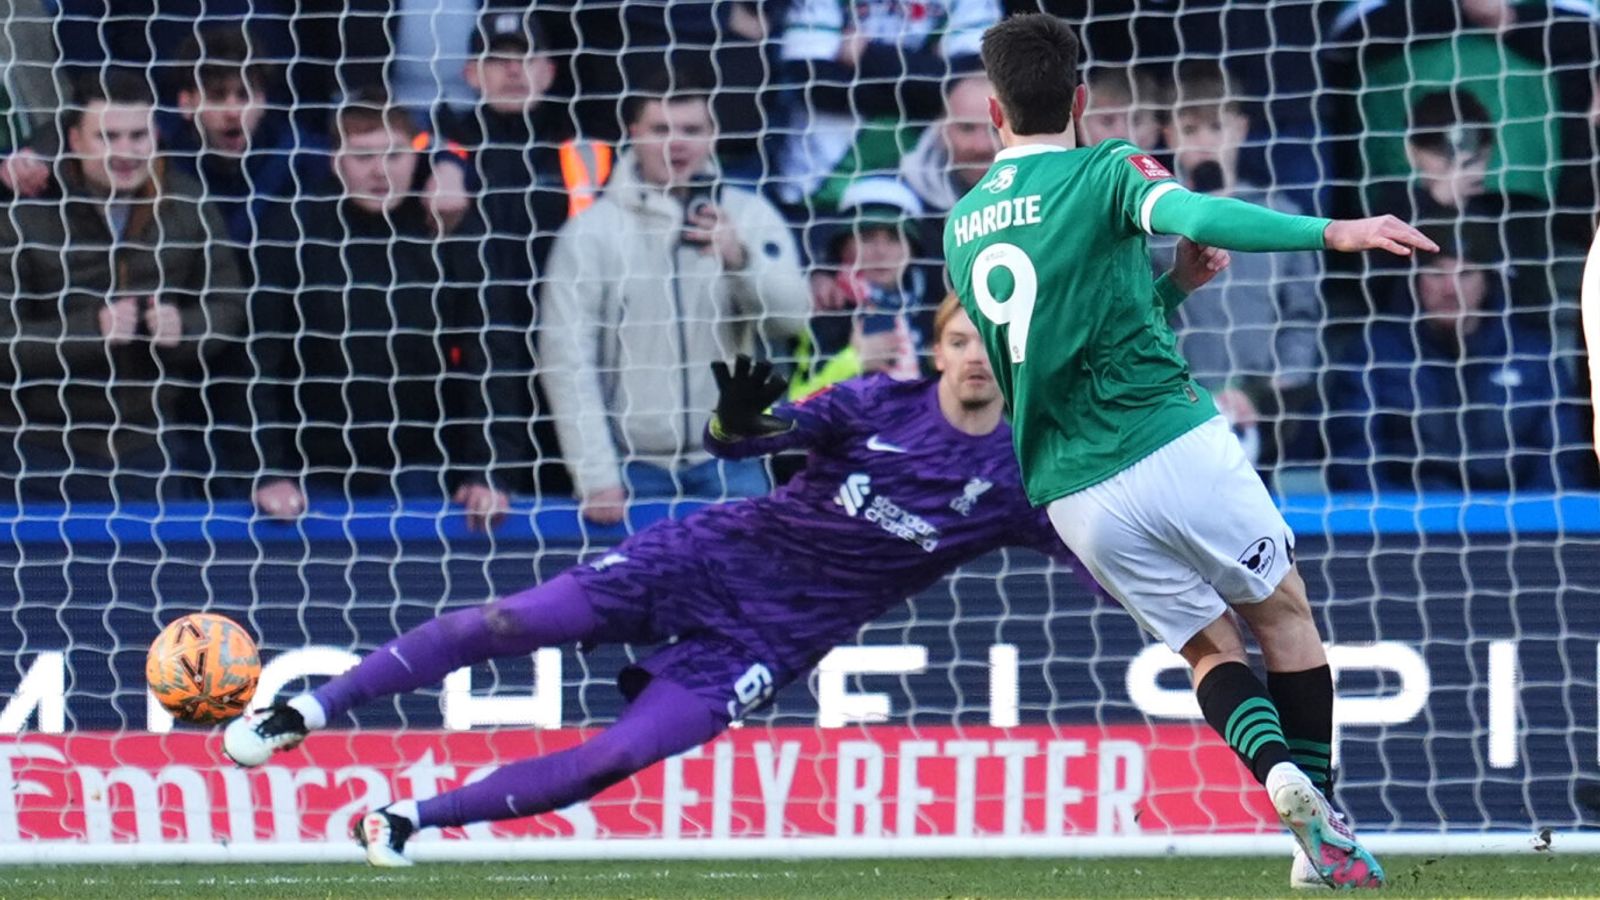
(534, 174)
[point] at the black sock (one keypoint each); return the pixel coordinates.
(1235, 703)
(1305, 706)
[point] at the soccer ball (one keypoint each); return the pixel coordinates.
(203, 669)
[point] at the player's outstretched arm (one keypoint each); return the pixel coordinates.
(1237, 225)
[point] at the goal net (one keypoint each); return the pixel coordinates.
(266, 405)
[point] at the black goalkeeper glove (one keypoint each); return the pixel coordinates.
(743, 397)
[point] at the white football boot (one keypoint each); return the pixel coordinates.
(1331, 848)
(384, 836)
(251, 739)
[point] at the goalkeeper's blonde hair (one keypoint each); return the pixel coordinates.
(941, 318)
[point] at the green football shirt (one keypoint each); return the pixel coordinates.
(1048, 256)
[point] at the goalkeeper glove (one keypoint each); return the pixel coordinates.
(743, 397)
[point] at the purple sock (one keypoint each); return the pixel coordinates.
(549, 615)
(663, 720)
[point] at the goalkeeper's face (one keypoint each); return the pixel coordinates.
(116, 144)
(963, 364)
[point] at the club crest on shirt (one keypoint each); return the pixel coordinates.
(970, 494)
(1150, 167)
(1001, 179)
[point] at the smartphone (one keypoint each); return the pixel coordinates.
(700, 196)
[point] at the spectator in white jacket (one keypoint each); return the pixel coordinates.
(668, 271)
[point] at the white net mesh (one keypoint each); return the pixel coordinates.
(374, 268)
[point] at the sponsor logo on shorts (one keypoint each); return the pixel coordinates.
(1149, 167)
(1260, 556)
(970, 494)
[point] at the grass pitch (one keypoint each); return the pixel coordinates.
(1526, 875)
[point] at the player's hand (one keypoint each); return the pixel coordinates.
(281, 500)
(445, 197)
(1195, 264)
(1377, 233)
(604, 507)
(25, 172)
(163, 322)
(744, 393)
(119, 319)
(486, 507)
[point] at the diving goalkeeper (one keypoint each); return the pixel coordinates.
(905, 481)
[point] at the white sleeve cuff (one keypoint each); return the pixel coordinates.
(1149, 205)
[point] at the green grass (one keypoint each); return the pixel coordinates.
(1527, 875)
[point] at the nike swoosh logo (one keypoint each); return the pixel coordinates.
(873, 443)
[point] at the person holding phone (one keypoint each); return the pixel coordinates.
(873, 309)
(671, 269)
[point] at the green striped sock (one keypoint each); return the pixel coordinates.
(1236, 704)
(1305, 707)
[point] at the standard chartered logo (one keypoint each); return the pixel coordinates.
(853, 493)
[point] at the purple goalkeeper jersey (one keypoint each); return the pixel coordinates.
(892, 498)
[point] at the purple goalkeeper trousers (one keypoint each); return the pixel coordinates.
(665, 719)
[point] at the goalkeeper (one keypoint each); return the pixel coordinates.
(905, 482)
(1141, 477)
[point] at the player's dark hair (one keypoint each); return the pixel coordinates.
(1032, 60)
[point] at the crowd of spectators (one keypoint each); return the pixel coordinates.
(426, 248)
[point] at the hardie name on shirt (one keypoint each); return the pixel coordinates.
(995, 216)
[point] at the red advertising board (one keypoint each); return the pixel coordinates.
(751, 783)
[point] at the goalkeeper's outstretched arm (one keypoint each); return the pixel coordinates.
(1237, 225)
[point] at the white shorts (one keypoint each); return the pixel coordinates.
(1180, 534)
